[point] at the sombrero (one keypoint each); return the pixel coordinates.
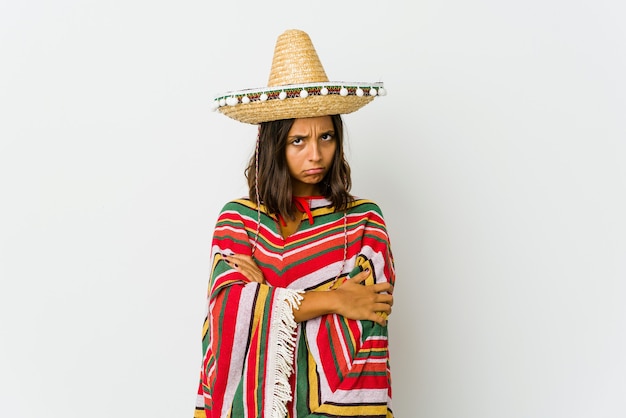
(298, 88)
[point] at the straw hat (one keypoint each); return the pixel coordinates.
(298, 88)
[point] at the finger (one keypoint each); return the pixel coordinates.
(383, 287)
(379, 319)
(244, 260)
(384, 298)
(238, 261)
(240, 257)
(230, 262)
(360, 278)
(227, 258)
(251, 273)
(232, 259)
(254, 270)
(382, 307)
(243, 265)
(385, 302)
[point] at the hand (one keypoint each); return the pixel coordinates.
(365, 302)
(245, 265)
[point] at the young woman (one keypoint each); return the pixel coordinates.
(302, 272)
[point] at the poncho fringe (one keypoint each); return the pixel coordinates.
(281, 354)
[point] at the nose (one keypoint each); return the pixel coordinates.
(314, 151)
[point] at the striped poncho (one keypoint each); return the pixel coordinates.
(257, 362)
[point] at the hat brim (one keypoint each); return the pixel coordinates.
(296, 108)
(255, 106)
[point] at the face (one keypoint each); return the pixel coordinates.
(309, 152)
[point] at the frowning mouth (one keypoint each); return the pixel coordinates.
(314, 171)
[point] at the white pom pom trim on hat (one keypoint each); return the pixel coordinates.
(301, 91)
(333, 97)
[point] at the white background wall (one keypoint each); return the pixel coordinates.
(497, 158)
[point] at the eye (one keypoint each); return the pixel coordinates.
(296, 141)
(328, 136)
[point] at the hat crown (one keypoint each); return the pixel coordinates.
(295, 60)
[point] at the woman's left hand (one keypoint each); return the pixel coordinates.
(245, 265)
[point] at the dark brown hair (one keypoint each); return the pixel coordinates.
(275, 190)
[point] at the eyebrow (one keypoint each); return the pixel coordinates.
(297, 135)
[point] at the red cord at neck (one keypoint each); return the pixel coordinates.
(302, 204)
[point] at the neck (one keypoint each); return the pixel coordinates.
(312, 190)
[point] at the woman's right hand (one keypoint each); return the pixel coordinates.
(364, 302)
(245, 265)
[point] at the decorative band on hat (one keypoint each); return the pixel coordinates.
(301, 91)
